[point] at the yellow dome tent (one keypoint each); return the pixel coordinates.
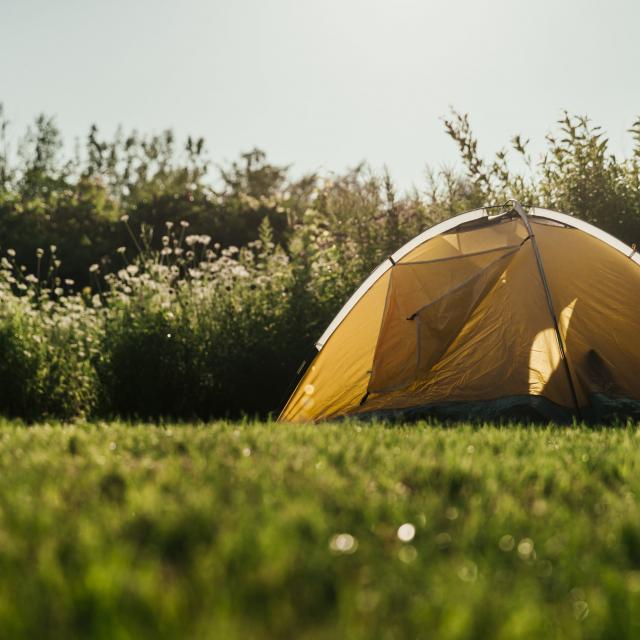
(519, 314)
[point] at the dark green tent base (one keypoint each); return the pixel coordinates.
(525, 409)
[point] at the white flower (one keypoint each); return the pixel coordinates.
(240, 271)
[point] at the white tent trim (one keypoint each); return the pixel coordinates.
(452, 223)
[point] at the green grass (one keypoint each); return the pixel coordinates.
(234, 531)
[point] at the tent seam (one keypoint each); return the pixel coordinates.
(545, 284)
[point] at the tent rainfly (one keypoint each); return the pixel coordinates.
(515, 314)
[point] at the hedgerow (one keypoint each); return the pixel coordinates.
(202, 300)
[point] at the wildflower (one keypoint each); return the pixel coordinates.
(240, 271)
(53, 248)
(121, 250)
(191, 240)
(184, 224)
(39, 252)
(205, 240)
(132, 269)
(124, 218)
(11, 253)
(94, 268)
(169, 224)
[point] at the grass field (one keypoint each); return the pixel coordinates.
(334, 531)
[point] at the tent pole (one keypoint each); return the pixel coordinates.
(563, 355)
(297, 379)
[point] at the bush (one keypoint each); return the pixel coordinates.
(47, 343)
(183, 323)
(194, 330)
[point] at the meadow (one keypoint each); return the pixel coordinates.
(351, 530)
(138, 285)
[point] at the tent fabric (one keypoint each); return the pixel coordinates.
(458, 324)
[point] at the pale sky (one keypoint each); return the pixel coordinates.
(323, 84)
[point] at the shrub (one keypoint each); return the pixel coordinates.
(194, 330)
(181, 322)
(47, 343)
